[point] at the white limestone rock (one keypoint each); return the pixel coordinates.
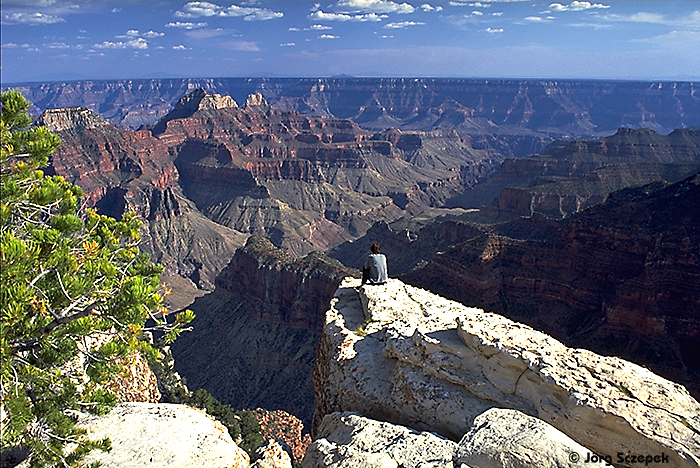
(272, 455)
(347, 440)
(508, 438)
(162, 435)
(401, 354)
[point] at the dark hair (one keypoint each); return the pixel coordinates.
(375, 248)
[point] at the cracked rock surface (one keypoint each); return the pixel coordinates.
(162, 435)
(403, 355)
(352, 441)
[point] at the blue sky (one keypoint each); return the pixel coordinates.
(107, 39)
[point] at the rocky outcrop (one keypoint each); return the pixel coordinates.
(285, 428)
(403, 355)
(162, 435)
(349, 440)
(499, 438)
(271, 455)
(136, 382)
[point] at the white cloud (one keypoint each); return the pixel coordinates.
(287, 44)
(294, 29)
(179, 47)
(538, 19)
(321, 15)
(208, 33)
(150, 34)
(187, 25)
(138, 43)
(374, 6)
(402, 24)
(576, 6)
(689, 22)
(208, 9)
(135, 33)
(328, 36)
(497, 13)
(57, 45)
(319, 27)
(243, 46)
(33, 19)
(429, 7)
(493, 30)
(477, 13)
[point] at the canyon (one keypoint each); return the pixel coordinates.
(525, 199)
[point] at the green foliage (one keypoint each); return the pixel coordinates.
(76, 293)
(242, 425)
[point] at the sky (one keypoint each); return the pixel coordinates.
(56, 40)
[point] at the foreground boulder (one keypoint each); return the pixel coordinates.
(162, 435)
(401, 354)
(352, 441)
(509, 438)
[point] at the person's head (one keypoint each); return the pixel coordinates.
(375, 248)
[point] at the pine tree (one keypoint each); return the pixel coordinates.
(76, 295)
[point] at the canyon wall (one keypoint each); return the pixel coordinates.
(255, 336)
(570, 176)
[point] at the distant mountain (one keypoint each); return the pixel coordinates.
(501, 110)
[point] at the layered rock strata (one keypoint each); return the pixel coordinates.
(401, 354)
(482, 107)
(122, 170)
(255, 336)
(569, 176)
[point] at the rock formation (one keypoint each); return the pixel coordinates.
(123, 171)
(350, 440)
(400, 354)
(286, 429)
(570, 176)
(271, 455)
(508, 438)
(498, 438)
(162, 435)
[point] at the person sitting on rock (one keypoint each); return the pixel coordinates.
(375, 270)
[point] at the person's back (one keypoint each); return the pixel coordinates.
(375, 269)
